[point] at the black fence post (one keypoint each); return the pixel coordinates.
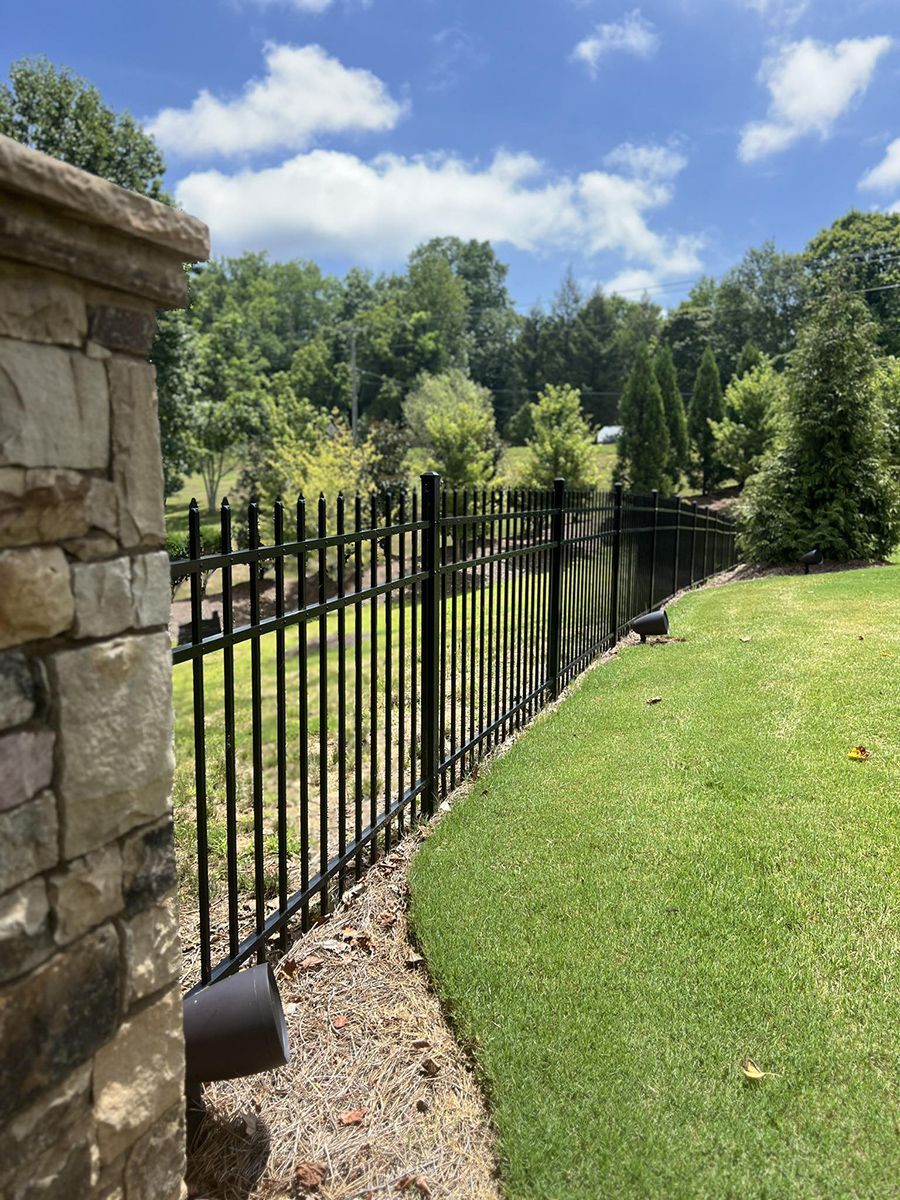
(431, 491)
(693, 542)
(677, 553)
(706, 544)
(655, 495)
(554, 617)
(614, 574)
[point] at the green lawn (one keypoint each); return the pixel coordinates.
(637, 897)
(192, 487)
(513, 462)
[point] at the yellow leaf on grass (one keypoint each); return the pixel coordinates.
(751, 1070)
(859, 754)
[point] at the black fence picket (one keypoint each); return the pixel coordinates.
(303, 752)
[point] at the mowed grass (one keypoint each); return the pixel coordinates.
(636, 897)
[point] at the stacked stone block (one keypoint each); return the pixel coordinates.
(91, 1049)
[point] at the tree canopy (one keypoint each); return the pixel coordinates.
(55, 111)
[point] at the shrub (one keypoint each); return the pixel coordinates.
(562, 444)
(753, 403)
(452, 420)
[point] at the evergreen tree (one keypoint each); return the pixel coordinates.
(643, 448)
(751, 356)
(706, 406)
(676, 418)
(827, 482)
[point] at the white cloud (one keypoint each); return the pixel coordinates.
(327, 202)
(647, 162)
(886, 175)
(811, 85)
(631, 35)
(785, 12)
(310, 6)
(305, 92)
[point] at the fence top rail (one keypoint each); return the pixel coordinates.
(458, 507)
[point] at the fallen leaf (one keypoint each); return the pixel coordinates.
(745, 639)
(356, 937)
(751, 1070)
(444, 806)
(430, 1067)
(355, 1116)
(422, 1106)
(405, 1182)
(862, 637)
(340, 1023)
(289, 967)
(312, 962)
(414, 960)
(859, 754)
(334, 945)
(310, 1175)
(386, 919)
(250, 1123)
(655, 700)
(421, 1044)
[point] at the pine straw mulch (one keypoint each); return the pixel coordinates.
(743, 572)
(379, 1099)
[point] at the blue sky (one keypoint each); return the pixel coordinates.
(640, 145)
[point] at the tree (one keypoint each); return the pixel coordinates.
(561, 446)
(452, 420)
(520, 426)
(751, 356)
(173, 355)
(643, 446)
(706, 406)
(827, 482)
(438, 297)
(860, 252)
(687, 331)
(52, 110)
(753, 404)
(324, 461)
(676, 418)
(229, 410)
(887, 394)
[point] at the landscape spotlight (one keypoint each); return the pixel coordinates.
(235, 1027)
(651, 624)
(812, 558)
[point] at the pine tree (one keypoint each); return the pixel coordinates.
(751, 356)
(827, 482)
(643, 448)
(676, 418)
(706, 406)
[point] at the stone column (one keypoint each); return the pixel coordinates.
(91, 1052)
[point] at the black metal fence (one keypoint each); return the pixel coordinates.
(344, 679)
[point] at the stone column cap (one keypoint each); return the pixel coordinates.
(95, 201)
